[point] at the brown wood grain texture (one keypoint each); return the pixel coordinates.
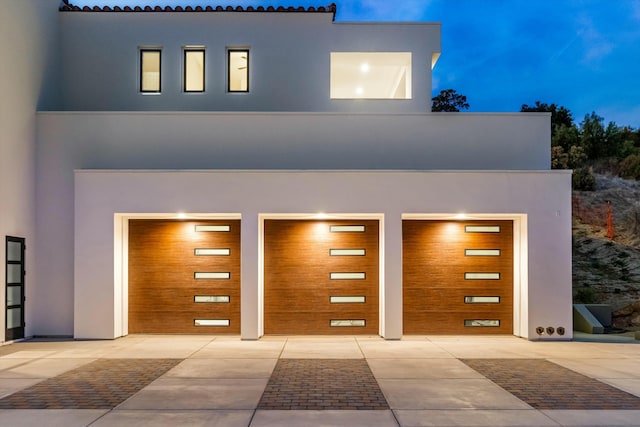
(161, 276)
(434, 286)
(297, 284)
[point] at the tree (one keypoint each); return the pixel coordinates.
(448, 100)
(613, 140)
(572, 159)
(592, 136)
(630, 141)
(565, 137)
(560, 116)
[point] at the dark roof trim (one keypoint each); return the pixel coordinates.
(68, 6)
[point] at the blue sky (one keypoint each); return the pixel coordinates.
(582, 54)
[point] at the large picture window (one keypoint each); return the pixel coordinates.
(238, 62)
(370, 75)
(150, 61)
(194, 70)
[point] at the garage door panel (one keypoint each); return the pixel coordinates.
(186, 278)
(178, 253)
(473, 240)
(438, 273)
(321, 304)
(182, 234)
(317, 275)
(328, 284)
(298, 283)
(186, 261)
(177, 296)
(169, 323)
(453, 323)
(451, 298)
(190, 309)
(295, 292)
(441, 259)
(315, 267)
(313, 325)
(158, 266)
(457, 278)
(162, 285)
(439, 231)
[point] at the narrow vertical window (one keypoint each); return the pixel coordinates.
(194, 70)
(238, 62)
(150, 70)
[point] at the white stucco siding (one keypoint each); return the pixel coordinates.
(104, 140)
(28, 45)
(544, 218)
(295, 141)
(289, 60)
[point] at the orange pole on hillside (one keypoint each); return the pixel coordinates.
(610, 229)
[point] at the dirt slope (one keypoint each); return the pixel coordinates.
(605, 270)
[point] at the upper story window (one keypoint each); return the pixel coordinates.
(370, 75)
(194, 69)
(238, 71)
(150, 64)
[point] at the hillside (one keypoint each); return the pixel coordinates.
(608, 270)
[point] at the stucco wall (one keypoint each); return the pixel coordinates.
(539, 201)
(69, 141)
(28, 44)
(289, 59)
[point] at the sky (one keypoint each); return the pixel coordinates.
(580, 54)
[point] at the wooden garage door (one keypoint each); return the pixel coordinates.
(457, 277)
(321, 277)
(184, 276)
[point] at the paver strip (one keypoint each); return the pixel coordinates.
(545, 385)
(322, 384)
(102, 384)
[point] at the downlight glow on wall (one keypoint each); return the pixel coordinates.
(371, 75)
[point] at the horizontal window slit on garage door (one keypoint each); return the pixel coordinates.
(482, 323)
(347, 252)
(213, 228)
(347, 276)
(335, 323)
(347, 228)
(212, 298)
(481, 228)
(212, 251)
(216, 275)
(482, 276)
(211, 322)
(482, 252)
(347, 300)
(482, 300)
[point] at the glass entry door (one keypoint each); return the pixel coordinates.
(15, 289)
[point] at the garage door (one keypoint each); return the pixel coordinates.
(457, 277)
(321, 277)
(184, 276)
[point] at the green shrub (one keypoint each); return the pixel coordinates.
(576, 157)
(583, 180)
(559, 159)
(630, 167)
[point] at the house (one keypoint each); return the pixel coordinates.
(261, 171)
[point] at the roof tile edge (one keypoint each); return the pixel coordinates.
(68, 6)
